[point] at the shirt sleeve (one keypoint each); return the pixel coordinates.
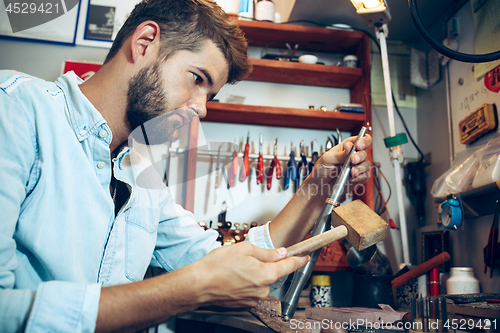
(51, 306)
(181, 241)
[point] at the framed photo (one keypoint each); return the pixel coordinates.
(101, 21)
(44, 20)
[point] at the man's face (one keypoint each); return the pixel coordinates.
(165, 96)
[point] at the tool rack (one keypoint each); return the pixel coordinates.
(357, 80)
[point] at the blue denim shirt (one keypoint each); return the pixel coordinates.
(59, 238)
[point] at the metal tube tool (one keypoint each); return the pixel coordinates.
(291, 298)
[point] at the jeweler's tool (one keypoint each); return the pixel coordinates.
(275, 164)
(260, 164)
(245, 168)
(233, 170)
(291, 169)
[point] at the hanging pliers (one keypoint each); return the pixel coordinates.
(336, 140)
(233, 171)
(260, 164)
(291, 169)
(314, 154)
(275, 164)
(245, 168)
(303, 163)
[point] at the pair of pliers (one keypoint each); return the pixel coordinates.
(314, 154)
(245, 168)
(331, 143)
(291, 169)
(260, 164)
(233, 171)
(274, 164)
(303, 165)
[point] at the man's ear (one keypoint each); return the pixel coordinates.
(145, 39)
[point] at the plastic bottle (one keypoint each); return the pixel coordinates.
(462, 281)
(265, 10)
(246, 9)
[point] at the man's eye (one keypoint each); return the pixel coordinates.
(197, 78)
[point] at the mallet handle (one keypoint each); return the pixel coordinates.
(307, 246)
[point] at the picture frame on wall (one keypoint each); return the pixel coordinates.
(47, 21)
(101, 21)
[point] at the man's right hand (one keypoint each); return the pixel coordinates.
(239, 275)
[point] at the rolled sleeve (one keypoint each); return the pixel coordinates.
(64, 307)
(259, 236)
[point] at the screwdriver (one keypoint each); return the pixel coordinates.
(245, 168)
(260, 164)
(274, 164)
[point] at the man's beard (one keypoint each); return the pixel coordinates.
(149, 124)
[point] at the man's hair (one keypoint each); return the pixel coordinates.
(186, 25)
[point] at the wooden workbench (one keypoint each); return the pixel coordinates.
(215, 322)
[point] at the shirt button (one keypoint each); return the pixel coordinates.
(101, 165)
(83, 132)
(103, 133)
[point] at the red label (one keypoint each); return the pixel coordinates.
(83, 69)
(492, 79)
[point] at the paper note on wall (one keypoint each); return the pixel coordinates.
(486, 15)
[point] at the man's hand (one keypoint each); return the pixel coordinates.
(240, 275)
(327, 168)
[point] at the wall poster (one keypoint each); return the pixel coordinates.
(101, 20)
(43, 20)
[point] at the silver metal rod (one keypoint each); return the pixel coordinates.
(214, 153)
(291, 298)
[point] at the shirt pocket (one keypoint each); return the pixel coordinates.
(140, 240)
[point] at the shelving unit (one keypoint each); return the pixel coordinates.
(313, 39)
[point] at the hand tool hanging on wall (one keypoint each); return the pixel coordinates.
(233, 170)
(314, 154)
(217, 174)
(275, 164)
(302, 167)
(491, 249)
(260, 164)
(291, 169)
(245, 168)
(333, 141)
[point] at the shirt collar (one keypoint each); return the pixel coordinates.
(85, 119)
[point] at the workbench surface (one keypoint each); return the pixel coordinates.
(209, 321)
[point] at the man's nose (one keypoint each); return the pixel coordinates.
(200, 106)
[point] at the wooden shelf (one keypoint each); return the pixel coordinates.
(260, 33)
(306, 74)
(283, 117)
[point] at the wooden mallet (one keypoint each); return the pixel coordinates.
(361, 226)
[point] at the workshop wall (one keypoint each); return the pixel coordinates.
(434, 113)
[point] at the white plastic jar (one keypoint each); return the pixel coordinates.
(462, 281)
(265, 10)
